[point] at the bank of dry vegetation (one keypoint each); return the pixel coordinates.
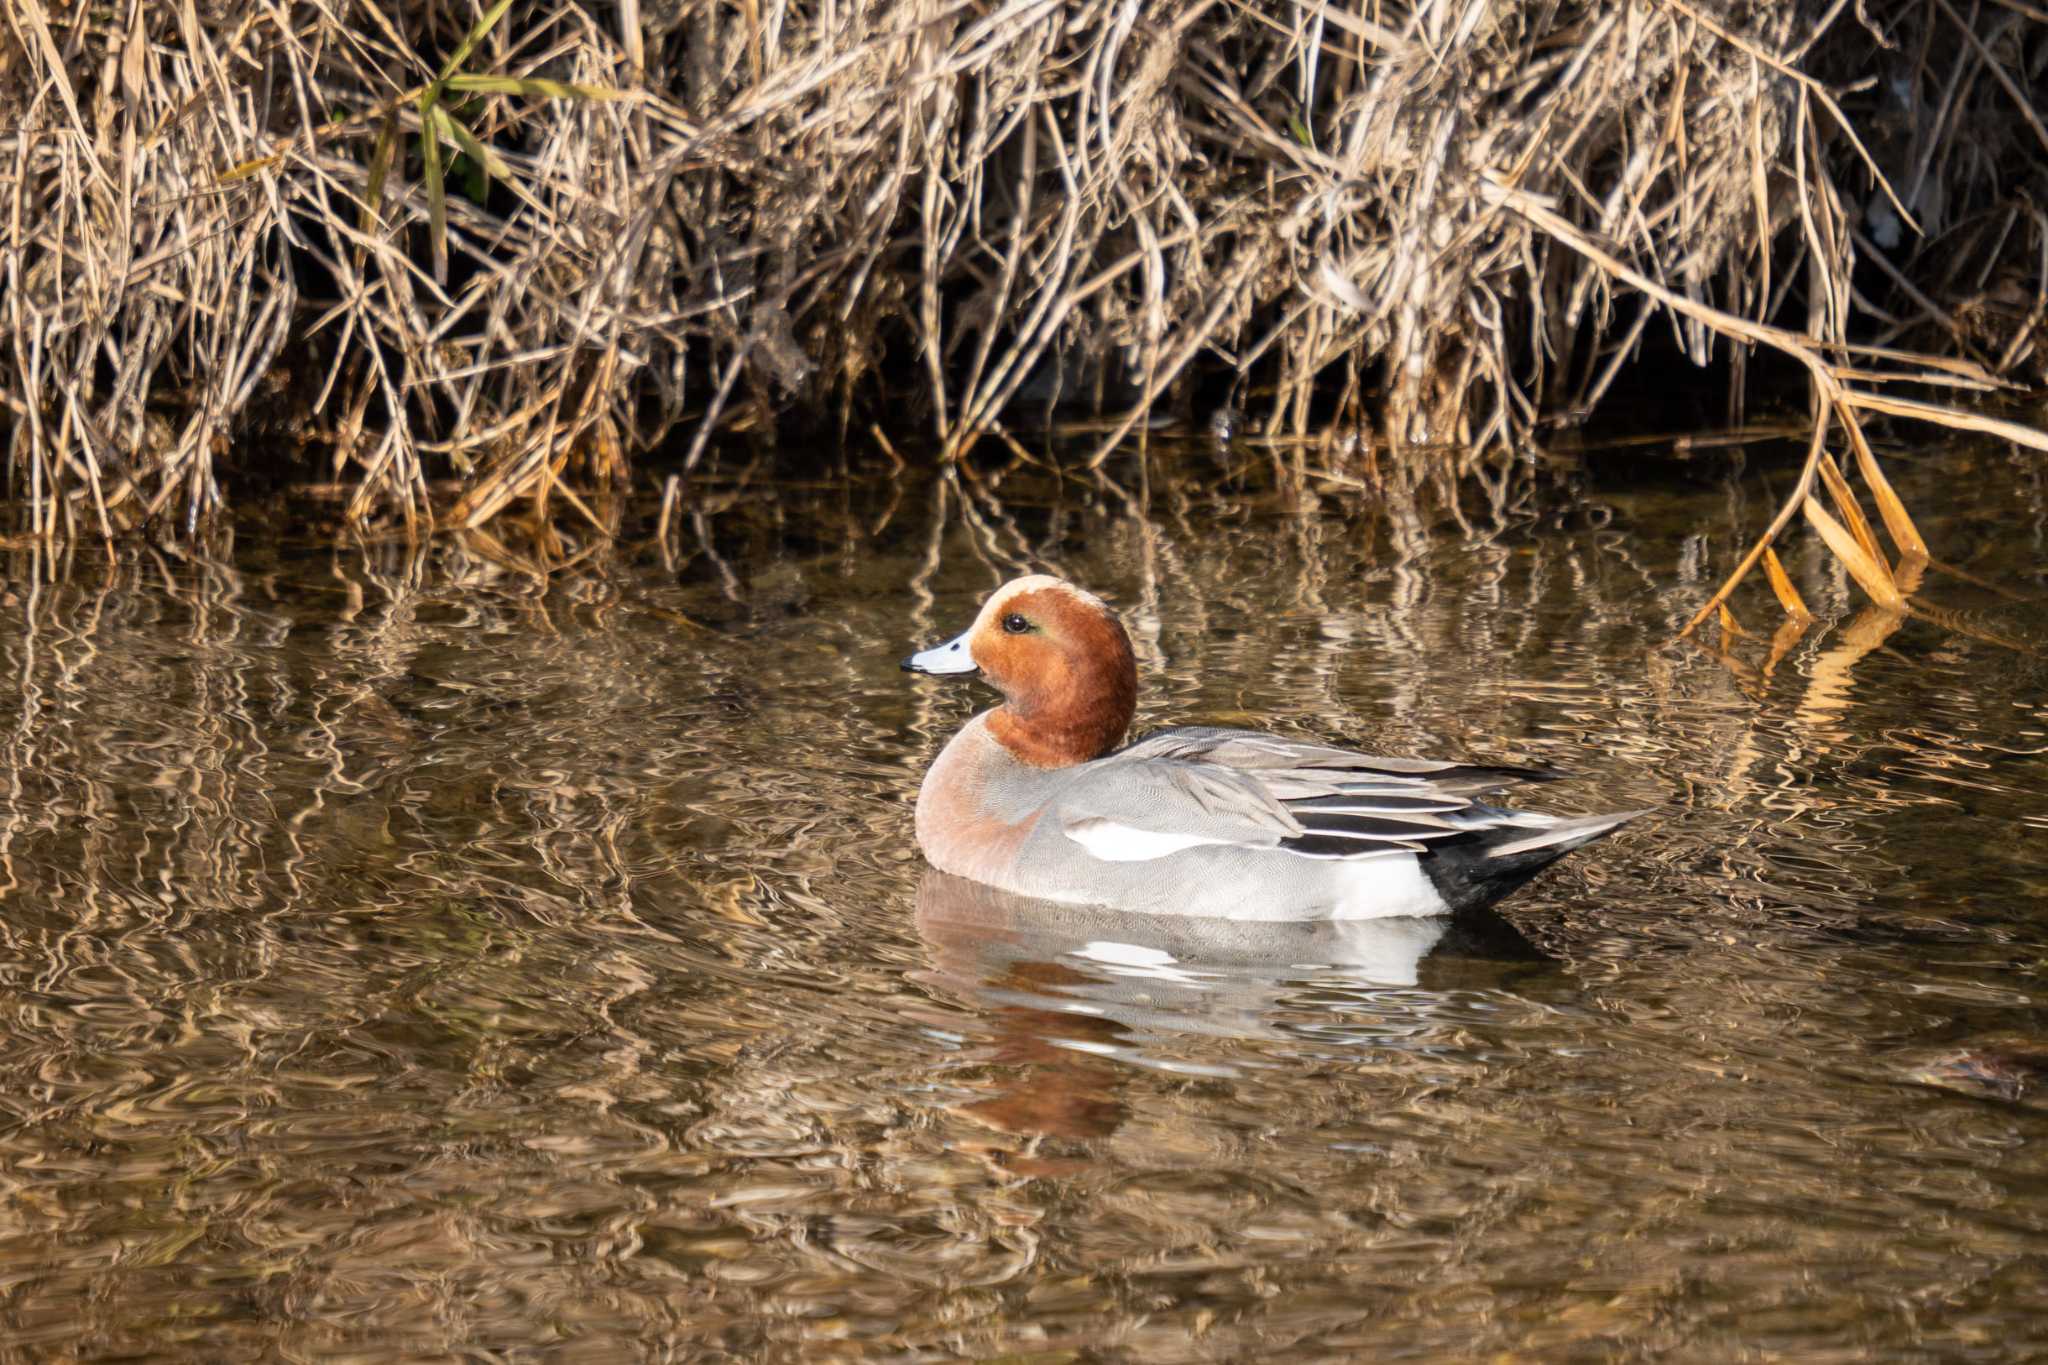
(456, 256)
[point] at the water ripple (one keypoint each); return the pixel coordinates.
(397, 961)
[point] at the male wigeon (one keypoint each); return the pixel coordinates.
(1034, 796)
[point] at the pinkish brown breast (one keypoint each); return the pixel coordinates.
(958, 827)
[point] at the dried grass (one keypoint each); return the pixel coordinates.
(1436, 223)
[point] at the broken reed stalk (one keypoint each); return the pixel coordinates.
(1836, 400)
(510, 243)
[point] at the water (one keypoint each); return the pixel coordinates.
(406, 957)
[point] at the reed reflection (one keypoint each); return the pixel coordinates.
(420, 949)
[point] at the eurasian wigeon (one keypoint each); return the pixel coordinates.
(1036, 798)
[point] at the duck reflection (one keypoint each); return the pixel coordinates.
(1073, 995)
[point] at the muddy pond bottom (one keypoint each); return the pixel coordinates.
(404, 956)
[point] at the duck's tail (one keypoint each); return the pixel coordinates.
(1559, 838)
(1486, 864)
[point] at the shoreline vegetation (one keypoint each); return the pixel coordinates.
(508, 247)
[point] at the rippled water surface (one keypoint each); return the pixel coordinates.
(407, 956)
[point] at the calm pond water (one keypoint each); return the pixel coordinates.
(405, 957)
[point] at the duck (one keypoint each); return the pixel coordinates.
(1041, 797)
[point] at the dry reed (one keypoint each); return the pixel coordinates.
(510, 246)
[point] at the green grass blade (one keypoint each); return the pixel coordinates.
(481, 153)
(472, 146)
(532, 86)
(380, 170)
(477, 33)
(437, 202)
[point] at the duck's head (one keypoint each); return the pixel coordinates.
(1062, 662)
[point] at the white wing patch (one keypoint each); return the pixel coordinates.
(1118, 843)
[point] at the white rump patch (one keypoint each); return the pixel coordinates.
(1118, 843)
(1385, 888)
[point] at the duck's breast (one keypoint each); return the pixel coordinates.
(978, 806)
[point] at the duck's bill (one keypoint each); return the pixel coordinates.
(950, 657)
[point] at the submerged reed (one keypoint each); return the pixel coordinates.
(458, 256)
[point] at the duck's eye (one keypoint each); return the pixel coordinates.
(1015, 624)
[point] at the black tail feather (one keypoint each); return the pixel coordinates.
(1474, 870)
